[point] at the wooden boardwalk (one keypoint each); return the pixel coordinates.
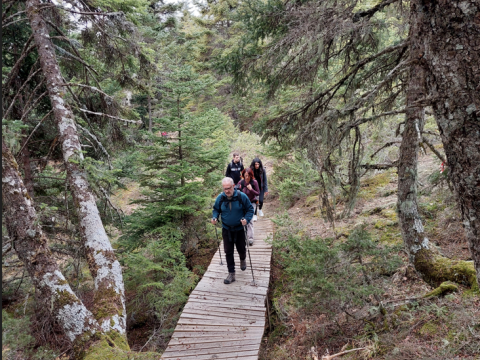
(223, 321)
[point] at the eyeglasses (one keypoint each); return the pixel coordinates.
(227, 188)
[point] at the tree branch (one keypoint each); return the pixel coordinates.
(25, 51)
(391, 143)
(110, 116)
(35, 129)
(370, 12)
(19, 91)
(435, 151)
(379, 166)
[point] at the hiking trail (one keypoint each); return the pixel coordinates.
(223, 321)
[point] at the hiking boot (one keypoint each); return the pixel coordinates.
(230, 278)
(250, 242)
(243, 264)
(255, 218)
(260, 212)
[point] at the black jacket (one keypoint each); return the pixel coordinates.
(234, 171)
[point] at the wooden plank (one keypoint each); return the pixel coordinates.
(209, 351)
(197, 341)
(238, 305)
(213, 345)
(244, 355)
(202, 335)
(221, 288)
(221, 322)
(191, 306)
(226, 313)
(197, 328)
(232, 295)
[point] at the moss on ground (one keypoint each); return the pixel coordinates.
(429, 329)
(371, 186)
(113, 346)
(444, 288)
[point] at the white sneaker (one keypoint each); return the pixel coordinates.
(260, 212)
(255, 218)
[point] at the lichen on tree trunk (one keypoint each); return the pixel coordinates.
(30, 244)
(109, 298)
(452, 56)
(426, 259)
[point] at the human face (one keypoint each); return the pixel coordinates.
(257, 165)
(246, 177)
(236, 159)
(228, 189)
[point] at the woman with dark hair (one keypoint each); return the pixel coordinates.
(249, 186)
(260, 175)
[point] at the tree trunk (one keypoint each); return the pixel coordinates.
(451, 34)
(434, 267)
(407, 207)
(109, 298)
(27, 168)
(150, 124)
(32, 249)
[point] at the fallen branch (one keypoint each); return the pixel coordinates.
(379, 166)
(329, 357)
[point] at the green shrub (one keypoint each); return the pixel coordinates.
(17, 342)
(331, 274)
(294, 178)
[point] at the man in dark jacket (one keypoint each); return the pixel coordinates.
(236, 210)
(234, 169)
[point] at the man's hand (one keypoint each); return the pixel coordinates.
(214, 221)
(244, 222)
(265, 194)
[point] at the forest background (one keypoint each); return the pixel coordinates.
(119, 118)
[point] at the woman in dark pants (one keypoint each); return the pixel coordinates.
(261, 176)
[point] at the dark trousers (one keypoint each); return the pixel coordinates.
(236, 238)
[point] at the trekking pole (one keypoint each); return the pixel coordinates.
(248, 250)
(218, 240)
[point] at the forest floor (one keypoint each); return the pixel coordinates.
(438, 328)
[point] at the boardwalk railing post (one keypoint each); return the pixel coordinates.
(218, 240)
(248, 250)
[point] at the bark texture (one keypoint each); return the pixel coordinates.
(407, 207)
(434, 268)
(451, 36)
(109, 300)
(32, 249)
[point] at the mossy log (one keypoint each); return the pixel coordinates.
(437, 269)
(444, 288)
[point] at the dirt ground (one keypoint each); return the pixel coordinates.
(426, 334)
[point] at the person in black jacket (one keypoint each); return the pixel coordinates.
(260, 175)
(234, 169)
